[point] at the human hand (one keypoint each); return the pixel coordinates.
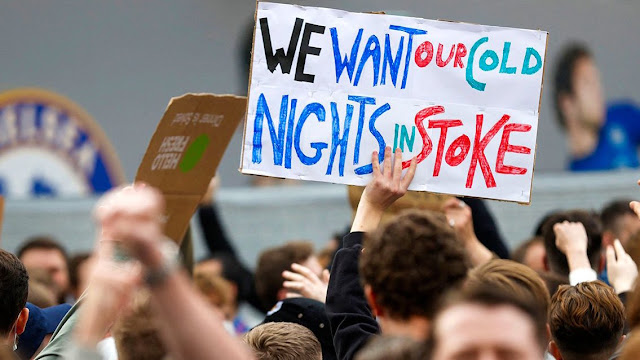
(386, 186)
(131, 217)
(621, 269)
(635, 206)
(459, 216)
(304, 282)
(572, 240)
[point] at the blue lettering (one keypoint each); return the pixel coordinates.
(407, 61)
(349, 63)
(277, 140)
(371, 50)
(484, 60)
(289, 142)
(363, 100)
(318, 110)
(336, 141)
(504, 69)
(394, 64)
(526, 68)
(368, 169)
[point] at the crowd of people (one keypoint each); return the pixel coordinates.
(404, 282)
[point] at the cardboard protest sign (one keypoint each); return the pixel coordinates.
(185, 151)
(329, 87)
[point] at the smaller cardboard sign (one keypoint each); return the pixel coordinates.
(185, 151)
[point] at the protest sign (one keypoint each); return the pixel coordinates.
(329, 87)
(185, 151)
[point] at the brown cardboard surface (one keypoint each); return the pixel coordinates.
(185, 152)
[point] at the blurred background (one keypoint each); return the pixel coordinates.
(122, 61)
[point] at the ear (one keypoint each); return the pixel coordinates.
(554, 351)
(545, 262)
(565, 103)
(21, 323)
(622, 339)
(371, 299)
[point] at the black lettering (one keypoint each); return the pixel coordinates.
(285, 60)
(305, 50)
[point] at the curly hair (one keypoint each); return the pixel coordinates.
(586, 319)
(410, 262)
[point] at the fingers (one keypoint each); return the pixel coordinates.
(611, 256)
(387, 162)
(397, 166)
(408, 177)
(620, 253)
(304, 271)
(375, 163)
(635, 206)
(326, 275)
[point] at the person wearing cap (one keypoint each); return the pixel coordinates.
(41, 324)
(14, 287)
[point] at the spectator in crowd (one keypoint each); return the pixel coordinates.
(41, 325)
(531, 253)
(42, 290)
(80, 268)
(618, 222)
(283, 341)
(599, 137)
(405, 266)
(275, 281)
(586, 321)
(393, 347)
(14, 286)
(485, 322)
(43, 252)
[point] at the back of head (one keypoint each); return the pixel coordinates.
(14, 287)
(41, 242)
(511, 277)
(556, 260)
(411, 261)
(563, 80)
(613, 212)
(136, 333)
(586, 320)
(283, 341)
(272, 262)
(393, 347)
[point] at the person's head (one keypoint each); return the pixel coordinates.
(136, 333)
(42, 290)
(553, 281)
(217, 291)
(578, 94)
(45, 253)
(531, 253)
(80, 268)
(618, 222)
(586, 322)
(272, 262)
(489, 323)
(393, 347)
(512, 277)
(406, 266)
(283, 341)
(14, 287)
(555, 260)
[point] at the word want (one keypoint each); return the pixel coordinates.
(286, 137)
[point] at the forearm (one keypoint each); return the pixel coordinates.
(193, 330)
(478, 253)
(367, 217)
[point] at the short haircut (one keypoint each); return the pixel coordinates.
(14, 287)
(556, 259)
(513, 277)
(520, 253)
(75, 263)
(41, 242)
(393, 347)
(283, 341)
(586, 320)
(563, 80)
(613, 212)
(272, 262)
(411, 261)
(489, 296)
(136, 332)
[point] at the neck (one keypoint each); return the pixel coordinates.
(416, 327)
(582, 140)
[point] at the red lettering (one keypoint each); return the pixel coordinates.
(460, 53)
(506, 147)
(444, 125)
(439, 61)
(479, 144)
(427, 144)
(464, 144)
(424, 48)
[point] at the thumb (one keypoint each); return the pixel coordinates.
(325, 276)
(611, 256)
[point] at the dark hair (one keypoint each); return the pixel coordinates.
(411, 261)
(586, 320)
(42, 242)
(492, 296)
(563, 81)
(520, 253)
(14, 287)
(556, 259)
(272, 262)
(612, 212)
(74, 267)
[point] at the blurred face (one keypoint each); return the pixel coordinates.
(53, 262)
(314, 265)
(535, 255)
(477, 332)
(587, 97)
